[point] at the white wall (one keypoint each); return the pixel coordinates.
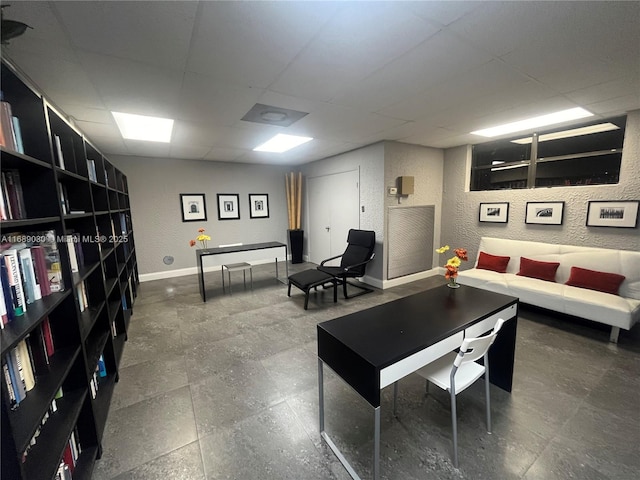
(155, 186)
(461, 228)
(370, 161)
(426, 166)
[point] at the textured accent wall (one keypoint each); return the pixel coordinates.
(155, 185)
(426, 166)
(370, 161)
(410, 234)
(460, 226)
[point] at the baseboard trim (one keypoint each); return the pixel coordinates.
(383, 284)
(183, 272)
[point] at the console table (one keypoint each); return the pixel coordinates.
(373, 348)
(205, 252)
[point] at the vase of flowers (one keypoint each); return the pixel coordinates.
(452, 265)
(202, 238)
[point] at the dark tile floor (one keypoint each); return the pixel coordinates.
(228, 390)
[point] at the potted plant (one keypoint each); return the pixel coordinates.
(294, 206)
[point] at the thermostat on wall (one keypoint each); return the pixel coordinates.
(393, 191)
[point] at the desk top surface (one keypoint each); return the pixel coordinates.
(389, 332)
(237, 248)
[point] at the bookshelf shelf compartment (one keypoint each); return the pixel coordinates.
(45, 455)
(60, 172)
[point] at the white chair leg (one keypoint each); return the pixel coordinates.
(487, 393)
(454, 428)
(395, 399)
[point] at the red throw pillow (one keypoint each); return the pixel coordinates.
(594, 280)
(486, 261)
(537, 269)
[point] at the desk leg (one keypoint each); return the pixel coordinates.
(286, 262)
(321, 395)
(203, 292)
(277, 275)
(376, 443)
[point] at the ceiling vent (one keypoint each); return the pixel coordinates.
(270, 115)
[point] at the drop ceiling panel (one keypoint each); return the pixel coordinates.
(202, 99)
(45, 28)
(250, 43)
(125, 29)
(443, 13)
(133, 87)
(353, 45)
(221, 154)
(441, 57)
(191, 152)
(147, 149)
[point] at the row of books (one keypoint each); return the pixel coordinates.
(10, 132)
(28, 272)
(12, 200)
(26, 361)
(100, 372)
(72, 451)
(53, 408)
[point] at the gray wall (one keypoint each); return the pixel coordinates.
(460, 226)
(155, 186)
(426, 166)
(370, 161)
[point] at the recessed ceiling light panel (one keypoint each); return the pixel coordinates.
(142, 127)
(535, 122)
(281, 143)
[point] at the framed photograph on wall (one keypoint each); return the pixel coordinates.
(544, 213)
(258, 205)
(494, 212)
(194, 208)
(611, 213)
(228, 206)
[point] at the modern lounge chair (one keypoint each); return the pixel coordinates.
(353, 262)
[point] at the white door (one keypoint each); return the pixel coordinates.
(333, 209)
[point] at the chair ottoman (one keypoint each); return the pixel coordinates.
(308, 279)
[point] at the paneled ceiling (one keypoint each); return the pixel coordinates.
(421, 72)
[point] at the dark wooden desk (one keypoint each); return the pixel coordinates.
(374, 348)
(204, 252)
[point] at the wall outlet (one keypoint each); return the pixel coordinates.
(393, 191)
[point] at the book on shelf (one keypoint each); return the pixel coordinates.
(12, 195)
(58, 146)
(30, 281)
(4, 319)
(25, 364)
(8, 135)
(10, 258)
(17, 377)
(6, 291)
(53, 261)
(91, 168)
(40, 266)
(17, 130)
(48, 337)
(81, 293)
(38, 351)
(102, 368)
(63, 198)
(71, 248)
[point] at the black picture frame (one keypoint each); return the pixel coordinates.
(258, 205)
(193, 207)
(228, 206)
(613, 213)
(493, 212)
(544, 213)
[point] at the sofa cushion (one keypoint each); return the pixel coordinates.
(594, 280)
(537, 269)
(495, 263)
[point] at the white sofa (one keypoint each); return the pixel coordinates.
(619, 311)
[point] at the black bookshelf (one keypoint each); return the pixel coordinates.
(60, 182)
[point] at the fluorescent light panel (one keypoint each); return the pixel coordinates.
(281, 143)
(574, 132)
(141, 127)
(535, 122)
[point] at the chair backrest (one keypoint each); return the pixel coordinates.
(474, 348)
(359, 249)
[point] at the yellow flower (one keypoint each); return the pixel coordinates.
(454, 262)
(203, 237)
(442, 249)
